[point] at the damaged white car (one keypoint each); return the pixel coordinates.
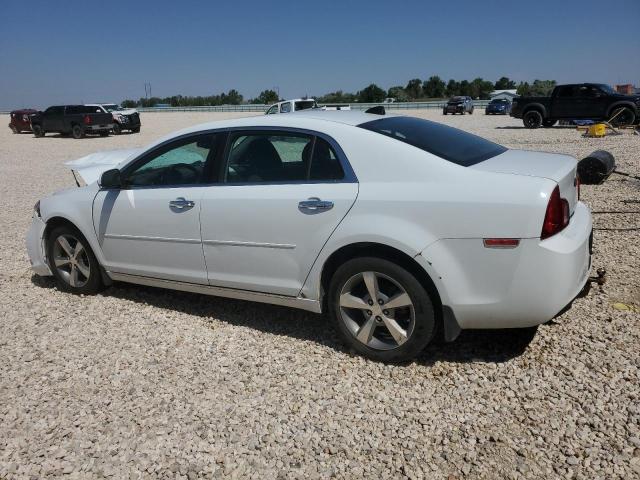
(397, 227)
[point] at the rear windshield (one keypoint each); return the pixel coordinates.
(449, 143)
(305, 104)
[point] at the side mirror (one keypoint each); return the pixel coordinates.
(111, 179)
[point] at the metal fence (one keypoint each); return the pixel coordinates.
(262, 108)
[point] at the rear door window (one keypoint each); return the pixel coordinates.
(449, 143)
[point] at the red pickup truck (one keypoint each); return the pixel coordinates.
(20, 120)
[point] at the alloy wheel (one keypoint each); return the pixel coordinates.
(71, 260)
(377, 310)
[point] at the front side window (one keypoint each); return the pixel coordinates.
(285, 107)
(272, 110)
(179, 163)
(448, 143)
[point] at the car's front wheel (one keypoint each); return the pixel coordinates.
(117, 130)
(72, 261)
(381, 310)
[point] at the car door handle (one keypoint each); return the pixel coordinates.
(314, 204)
(181, 203)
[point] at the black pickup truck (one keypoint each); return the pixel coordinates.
(77, 120)
(583, 101)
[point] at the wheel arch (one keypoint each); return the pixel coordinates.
(379, 250)
(537, 107)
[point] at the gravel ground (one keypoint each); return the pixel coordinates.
(145, 383)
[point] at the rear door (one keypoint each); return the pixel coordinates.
(281, 196)
(52, 119)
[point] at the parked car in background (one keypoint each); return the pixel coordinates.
(460, 104)
(499, 106)
(289, 106)
(77, 120)
(123, 118)
(308, 211)
(20, 120)
(336, 107)
(583, 101)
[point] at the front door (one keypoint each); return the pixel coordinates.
(281, 197)
(52, 119)
(151, 226)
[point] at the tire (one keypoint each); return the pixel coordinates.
(549, 123)
(626, 117)
(81, 272)
(532, 119)
(412, 322)
(471, 112)
(116, 129)
(135, 130)
(104, 133)
(14, 129)
(38, 131)
(444, 112)
(77, 132)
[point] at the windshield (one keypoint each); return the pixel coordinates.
(499, 100)
(111, 107)
(449, 143)
(456, 99)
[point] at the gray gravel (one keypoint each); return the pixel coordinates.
(145, 383)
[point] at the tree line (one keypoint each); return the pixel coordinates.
(415, 90)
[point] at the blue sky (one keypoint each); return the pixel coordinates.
(62, 52)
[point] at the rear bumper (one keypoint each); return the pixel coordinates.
(98, 128)
(512, 288)
(35, 247)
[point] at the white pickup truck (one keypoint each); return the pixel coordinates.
(294, 105)
(123, 118)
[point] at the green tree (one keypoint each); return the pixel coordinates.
(337, 97)
(453, 88)
(414, 88)
(504, 83)
(398, 93)
(524, 89)
(129, 104)
(434, 87)
(465, 88)
(542, 88)
(266, 97)
(371, 94)
(480, 88)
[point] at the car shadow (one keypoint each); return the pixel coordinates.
(514, 127)
(472, 346)
(70, 137)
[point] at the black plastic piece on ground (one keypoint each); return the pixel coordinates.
(596, 167)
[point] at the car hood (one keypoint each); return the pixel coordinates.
(92, 166)
(128, 111)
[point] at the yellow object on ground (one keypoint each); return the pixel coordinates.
(597, 130)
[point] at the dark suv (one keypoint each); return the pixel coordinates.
(459, 104)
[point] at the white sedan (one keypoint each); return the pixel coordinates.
(398, 227)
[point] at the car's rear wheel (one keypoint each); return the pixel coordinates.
(116, 129)
(444, 112)
(625, 117)
(381, 310)
(38, 131)
(532, 119)
(14, 129)
(72, 261)
(135, 130)
(77, 132)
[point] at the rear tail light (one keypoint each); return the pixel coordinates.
(87, 120)
(557, 216)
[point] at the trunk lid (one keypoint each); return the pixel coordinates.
(92, 166)
(559, 168)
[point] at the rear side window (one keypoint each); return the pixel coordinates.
(449, 143)
(325, 164)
